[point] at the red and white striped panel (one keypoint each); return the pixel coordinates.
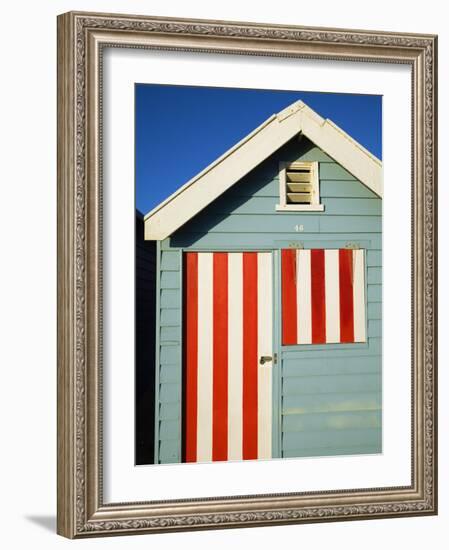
(227, 393)
(323, 296)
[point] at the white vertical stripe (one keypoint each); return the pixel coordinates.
(358, 258)
(205, 357)
(303, 297)
(265, 347)
(235, 355)
(332, 293)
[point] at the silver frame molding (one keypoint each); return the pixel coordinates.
(81, 39)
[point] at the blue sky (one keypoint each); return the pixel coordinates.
(182, 129)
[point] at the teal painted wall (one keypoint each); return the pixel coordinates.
(329, 396)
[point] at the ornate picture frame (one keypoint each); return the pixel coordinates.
(82, 39)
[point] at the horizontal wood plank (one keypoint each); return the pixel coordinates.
(170, 298)
(170, 355)
(169, 429)
(301, 351)
(323, 366)
(170, 261)
(331, 384)
(369, 401)
(267, 205)
(169, 451)
(170, 335)
(169, 374)
(284, 223)
(333, 451)
(170, 317)
(170, 279)
(169, 411)
(332, 438)
(169, 393)
(262, 240)
(332, 421)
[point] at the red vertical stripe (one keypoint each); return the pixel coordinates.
(220, 358)
(346, 296)
(289, 305)
(318, 296)
(191, 356)
(250, 359)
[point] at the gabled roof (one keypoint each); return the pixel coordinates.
(228, 169)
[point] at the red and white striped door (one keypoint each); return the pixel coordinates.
(323, 296)
(228, 301)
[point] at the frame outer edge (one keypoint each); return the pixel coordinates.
(93, 282)
(434, 193)
(66, 339)
(80, 509)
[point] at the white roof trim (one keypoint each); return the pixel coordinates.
(226, 170)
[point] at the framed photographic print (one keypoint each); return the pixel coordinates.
(247, 274)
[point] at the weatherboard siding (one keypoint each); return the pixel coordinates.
(330, 395)
(169, 379)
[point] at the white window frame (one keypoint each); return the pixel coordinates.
(315, 205)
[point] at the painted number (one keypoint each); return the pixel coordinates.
(299, 228)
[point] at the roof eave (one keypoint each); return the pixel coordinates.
(225, 171)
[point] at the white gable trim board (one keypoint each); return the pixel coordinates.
(238, 161)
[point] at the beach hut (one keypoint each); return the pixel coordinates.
(269, 299)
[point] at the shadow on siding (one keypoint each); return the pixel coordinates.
(145, 330)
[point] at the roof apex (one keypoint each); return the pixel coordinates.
(240, 159)
(295, 108)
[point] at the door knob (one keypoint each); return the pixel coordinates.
(265, 359)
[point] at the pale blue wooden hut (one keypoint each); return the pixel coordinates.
(269, 299)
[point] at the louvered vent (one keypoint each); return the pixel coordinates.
(299, 187)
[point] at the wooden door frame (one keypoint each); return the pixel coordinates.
(276, 418)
